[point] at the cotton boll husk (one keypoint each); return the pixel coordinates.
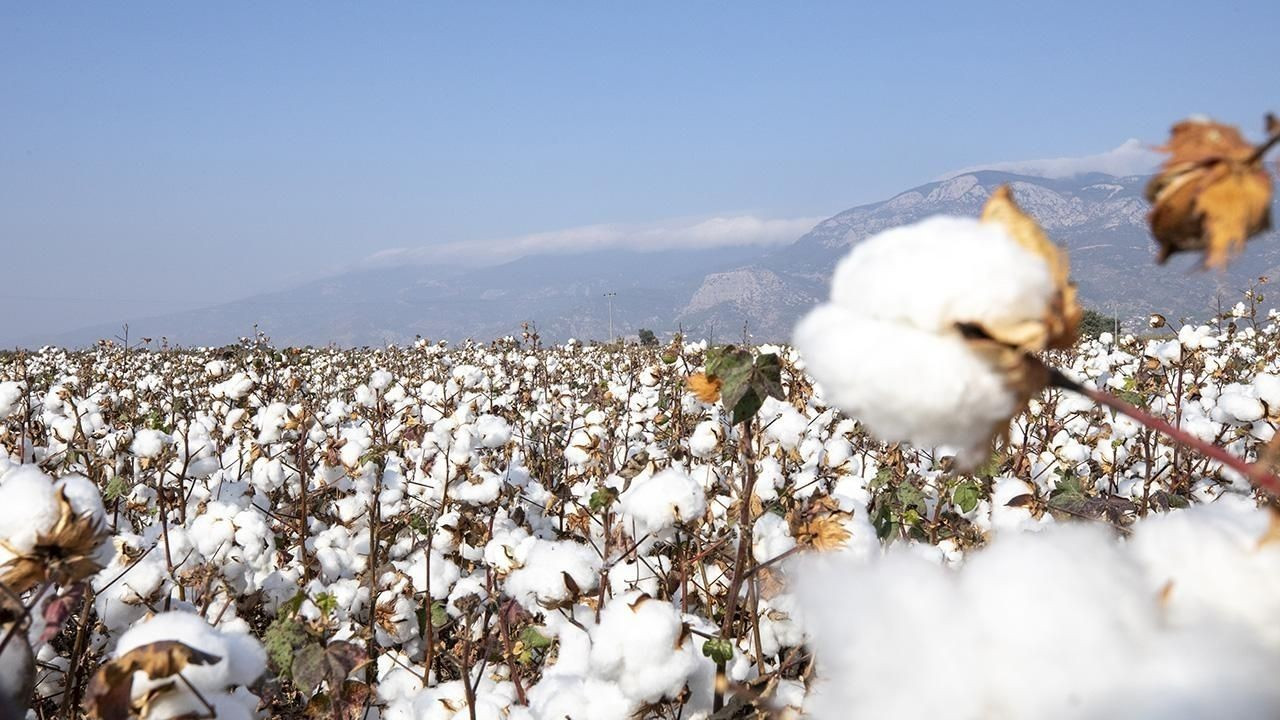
(930, 390)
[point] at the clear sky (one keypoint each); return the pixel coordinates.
(171, 154)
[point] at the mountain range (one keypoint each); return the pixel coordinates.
(720, 293)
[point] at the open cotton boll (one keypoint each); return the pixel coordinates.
(906, 384)
(928, 330)
(241, 661)
(11, 394)
(1056, 625)
(148, 443)
(1238, 402)
(539, 582)
(572, 696)
(493, 431)
(655, 503)
(782, 423)
(28, 508)
(642, 645)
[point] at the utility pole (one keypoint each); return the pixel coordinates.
(610, 296)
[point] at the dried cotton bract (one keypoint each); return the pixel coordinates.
(1213, 192)
(927, 333)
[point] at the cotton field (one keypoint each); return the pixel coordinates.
(515, 530)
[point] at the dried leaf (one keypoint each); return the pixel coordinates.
(824, 532)
(1212, 194)
(109, 693)
(707, 389)
(58, 609)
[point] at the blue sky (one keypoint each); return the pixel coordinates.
(174, 154)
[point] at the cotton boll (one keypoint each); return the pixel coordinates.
(568, 696)
(880, 617)
(28, 508)
(655, 503)
(930, 390)
(770, 537)
(1212, 565)
(705, 439)
(781, 423)
(1241, 407)
(493, 431)
(540, 580)
(641, 644)
(1266, 385)
(960, 270)
(11, 394)
(149, 443)
(241, 658)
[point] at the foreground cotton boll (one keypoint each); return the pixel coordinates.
(1060, 624)
(907, 343)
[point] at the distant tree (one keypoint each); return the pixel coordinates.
(647, 337)
(1095, 323)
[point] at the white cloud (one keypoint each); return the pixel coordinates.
(695, 234)
(1131, 157)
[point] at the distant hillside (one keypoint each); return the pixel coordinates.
(1100, 218)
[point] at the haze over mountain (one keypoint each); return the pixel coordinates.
(712, 291)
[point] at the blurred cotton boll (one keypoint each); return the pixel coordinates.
(926, 336)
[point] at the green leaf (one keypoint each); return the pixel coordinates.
(602, 498)
(116, 488)
(718, 649)
(327, 603)
(534, 639)
(439, 616)
(283, 636)
(744, 381)
(290, 607)
(990, 468)
(966, 495)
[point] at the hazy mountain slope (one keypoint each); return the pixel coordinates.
(713, 293)
(1101, 219)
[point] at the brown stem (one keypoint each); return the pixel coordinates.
(1264, 148)
(1256, 474)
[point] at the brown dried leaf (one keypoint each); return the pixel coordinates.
(707, 389)
(1212, 194)
(109, 693)
(824, 532)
